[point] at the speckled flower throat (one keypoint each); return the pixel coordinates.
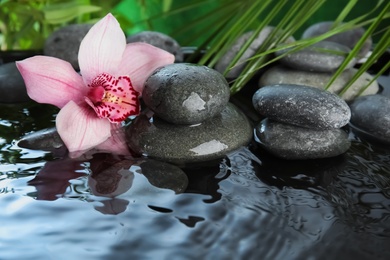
(113, 98)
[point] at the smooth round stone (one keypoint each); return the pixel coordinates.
(181, 144)
(159, 40)
(348, 38)
(64, 43)
(164, 175)
(46, 140)
(12, 87)
(297, 143)
(228, 57)
(183, 93)
(315, 58)
(302, 106)
(285, 75)
(371, 114)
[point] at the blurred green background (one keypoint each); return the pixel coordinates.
(139, 11)
(24, 24)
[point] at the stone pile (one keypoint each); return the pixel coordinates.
(315, 65)
(301, 122)
(189, 118)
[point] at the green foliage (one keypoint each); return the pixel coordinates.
(219, 23)
(25, 24)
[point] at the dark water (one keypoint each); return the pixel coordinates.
(236, 208)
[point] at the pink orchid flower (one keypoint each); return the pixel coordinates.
(107, 91)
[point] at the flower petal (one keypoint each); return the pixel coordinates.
(80, 128)
(113, 98)
(101, 49)
(140, 60)
(51, 80)
(116, 143)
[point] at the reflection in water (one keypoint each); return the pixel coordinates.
(236, 208)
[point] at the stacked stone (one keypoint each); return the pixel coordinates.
(315, 65)
(301, 122)
(189, 117)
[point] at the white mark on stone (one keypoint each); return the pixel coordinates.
(210, 147)
(194, 103)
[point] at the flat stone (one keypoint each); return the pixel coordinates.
(164, 175)
(285, 75)
(12, 87)
(46, 140)
(159, 40)
(348, 38)
(228, 57)
(371, 115)
(64, 43)
(183, 93)
(315, 57)
(297, 143)
(181, 144)
(302, 106)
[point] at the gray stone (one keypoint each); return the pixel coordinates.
(45, 140)
(284, 75)
(315, 57)
(302, 106)
(185, 93)
(164, 175)
(181, 144)
(64, 43)
(348, 38)
(371, 114)
(12, 87)
(228, 57)
(159, 40)
(297, 143)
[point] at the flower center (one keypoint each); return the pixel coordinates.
(113, 98)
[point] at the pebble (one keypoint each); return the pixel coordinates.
(348, 38)
(297, 143)
(285, 75)
(227, 58)
(181, 144)
(302, 106)
(12, 87)
(315, 58)
(371, 115)
(46, 140)
(64, 43)
(159, 40)
(184, 93)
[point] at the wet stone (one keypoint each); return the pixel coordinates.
(371, 115)
(64, 43)
(164, 175)
(181, 144)
(285, 75)
(315, 57)
(348, 38)
(12, 87)
(297, 143)
(186, 93)
(228, 57)
(46, 140)
(159, 40)
(302, 106)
